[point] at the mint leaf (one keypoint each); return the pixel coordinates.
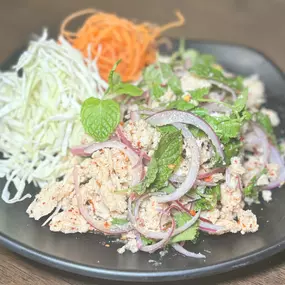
(265, 123)
(198, 58)
(190, 234)
(240, 102)
(199, 94)
(100, 117)
(119, 222)
(167, 129)
(181, 105)
(117, 87)
(200, 112)
(147, 241)
(158, 77)
(149, 177)
(209, 198)
(211, 73)
(168, 156)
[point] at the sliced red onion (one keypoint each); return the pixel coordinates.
(205, 183)
(215, 107)
(209, 227)
(135, 116)
(97, 225)
(124, 140)
(275, 157)
(193, 166)
(155, 234)
(203, 175)
(154, 247)
(80, 150)
(137, 167)
(174, 116)
(264, 142)
(185, 252)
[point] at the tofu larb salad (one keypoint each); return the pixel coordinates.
(153, 159)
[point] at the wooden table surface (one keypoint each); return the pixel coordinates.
(256, 23)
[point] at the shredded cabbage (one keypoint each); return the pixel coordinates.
(39, 112)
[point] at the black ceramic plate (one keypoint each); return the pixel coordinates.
(87, 255)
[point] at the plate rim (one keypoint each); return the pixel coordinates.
(148, 276)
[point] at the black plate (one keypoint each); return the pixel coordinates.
(87, 255)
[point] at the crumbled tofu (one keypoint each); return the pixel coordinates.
(262, 180)
(267, 195)
(236, 167)
(212, 215)
(190, 82)
(168, 97)
(206, 149)
(131, 245)
(142, 135)
(273, 116)
(69, 221)
(248, 221)
(256, 89)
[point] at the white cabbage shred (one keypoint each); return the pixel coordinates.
(41, 109)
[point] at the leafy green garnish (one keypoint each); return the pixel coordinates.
(240, 102)
(158, 77)
(149, 177)
(168, 156)
(211, 73)
(167, 129)
(209, 198)
(147, 241)
(181, 105)
(265, 123)
(190, 234)
(100, 117)
(119, 222)
(252, 190)
(196, 132)
(199, 94)
(232, 149)
(117, 87)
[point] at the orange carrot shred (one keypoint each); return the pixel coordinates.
(111, 38)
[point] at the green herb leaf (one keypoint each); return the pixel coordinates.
(147, 241)
(149, 177)
(209, 72)
(167, 129)
(199, 94)
(190, 234)
(252, 190)
(100, 117)
(232, 149)
(181, 105)
(265, 123)
(168, 156)
(117, 87)
(158, 77)
(240, 103)
(119, 222)
(209, 198)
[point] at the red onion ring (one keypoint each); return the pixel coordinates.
(185, 252)
(275, 157)
(193, 166)
(209, 227)
(211, 172)
(174, 116)
(225, 87)
(97, 225)
(135, 116)
(124, 140)
(264, 142)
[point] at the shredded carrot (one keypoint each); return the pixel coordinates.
(192, 213)
(109, 38)
(208, 179)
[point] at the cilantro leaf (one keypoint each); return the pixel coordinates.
(252, 190)
(100, 117)
(119, 222)
(181, 105)
(240, 102)
(158, 77)
(168, 156)
(117, 87)
(208, 72)
(190, 234)
(209, 198)
(199, 94)
(232, 149)
(265, 123)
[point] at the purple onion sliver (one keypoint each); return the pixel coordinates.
(187, 253)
